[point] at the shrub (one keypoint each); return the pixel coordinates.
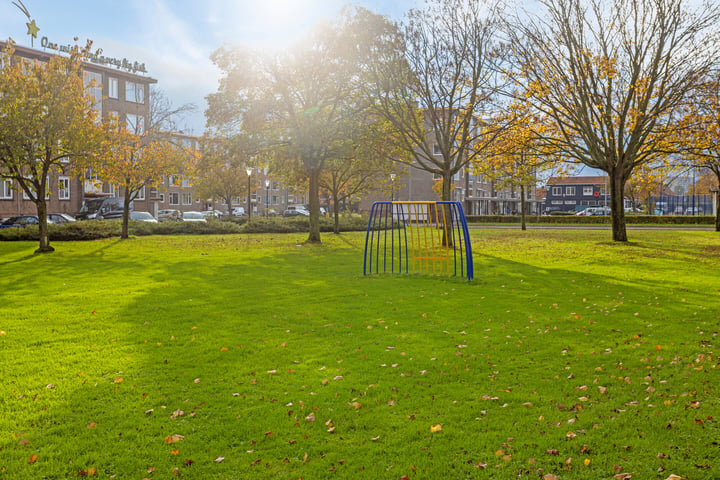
(569, 218)
(96, 229)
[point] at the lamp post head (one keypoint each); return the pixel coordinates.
(267, 183)
(249, 171)
(392, 177)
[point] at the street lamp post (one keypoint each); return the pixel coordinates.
(392, 187)
(267, 189)
(249, 211)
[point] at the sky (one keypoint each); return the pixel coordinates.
(174, 38)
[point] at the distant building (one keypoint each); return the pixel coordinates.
(572, 194)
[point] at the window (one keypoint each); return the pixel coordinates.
(161, 198)
(6, 192)
(436, 149)
(569, 191)
(135, 123)
(570, 202)
(64, 188)
(187, 198)
(557, 202)
(236, 200)
(112, 87)
(174, 198)
(141, 194)
(185, 183)
(30, 185)
(93, 86)
(556, 191)
(134, 92)
(275, 200)
(588, 190)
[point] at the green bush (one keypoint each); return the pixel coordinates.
(96, 229)
(596, 219)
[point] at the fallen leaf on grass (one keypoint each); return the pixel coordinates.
(674, 477)
(3, 332)
(436, 428)
(550, 476)
(197, 380)
(33, 458)
(174, 451)
(622, 476)
(118, 380)
(219, 459)
(91, 425)
(174, 439)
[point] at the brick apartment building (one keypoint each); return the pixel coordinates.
(120, 90)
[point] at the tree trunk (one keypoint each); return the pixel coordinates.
(447, 211)
(314, 200)
(522, 208)
(124, 234)
(228, 202)
(617, 207)
(44, 246)
(336, 214)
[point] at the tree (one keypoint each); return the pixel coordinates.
(612, 74)
(136, 161)
(220, 172)
(701, 134)
(137, 157)
(47, 124)
(434, 81)
(365, 166)
(518, 155)
(301, 102)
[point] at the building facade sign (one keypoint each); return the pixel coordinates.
(98, 58)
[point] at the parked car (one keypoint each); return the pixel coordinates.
(102, 208)
(20, 221)
(193, 217)
(169, 214)
(238, 212)
(57, 218)
(694, 211)
(296, 213)
(212, 213)
(142, 217)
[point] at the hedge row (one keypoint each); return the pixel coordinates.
(599, 219)
(95, 229)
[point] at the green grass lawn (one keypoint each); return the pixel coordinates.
(256, 357)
